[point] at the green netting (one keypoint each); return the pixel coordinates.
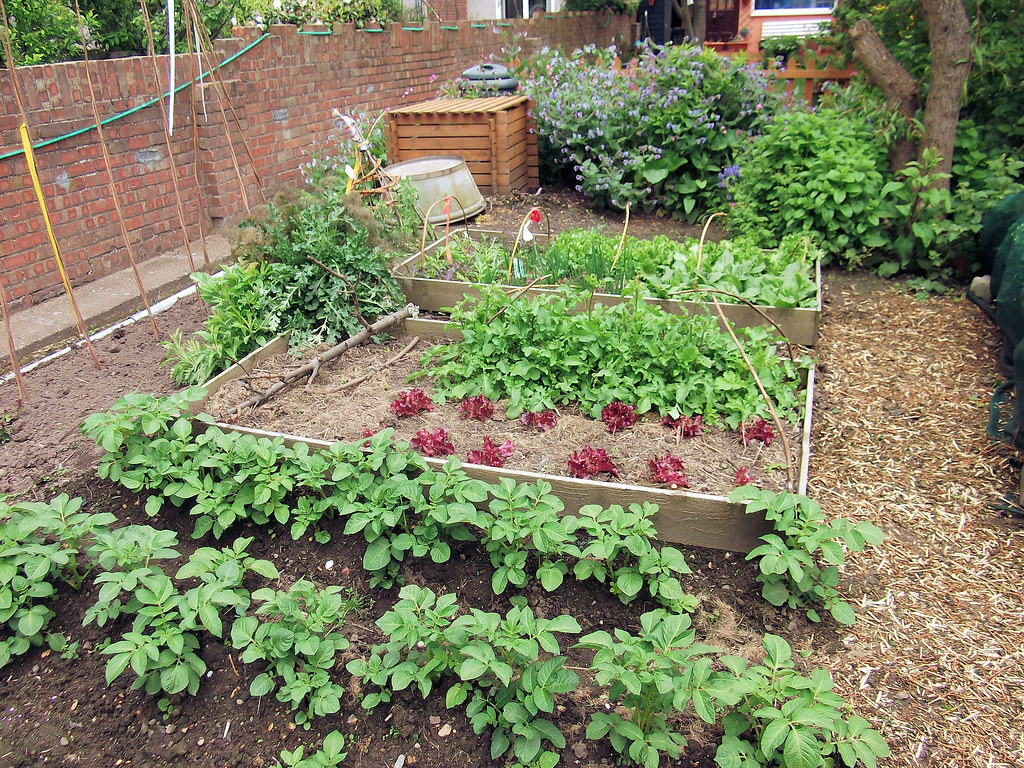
(995, 228)
(1006, 419)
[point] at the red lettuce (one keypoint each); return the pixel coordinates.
(757, 429)
(743, 477)
(589, 461)
(491, 455)
(477, 407)
(669, 470)
(411, 402)
(617, 415)
(542, 420)
(688, 426)
(433, 442)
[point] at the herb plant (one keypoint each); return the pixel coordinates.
(617, 548)
(778, 717)
(790, 573)
(652, 675)
(41, 545)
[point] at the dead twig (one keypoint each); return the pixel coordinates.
(377, 368)
(304, 370)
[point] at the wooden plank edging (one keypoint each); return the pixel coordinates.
(684, 517)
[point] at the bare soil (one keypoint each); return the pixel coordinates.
(934, 661)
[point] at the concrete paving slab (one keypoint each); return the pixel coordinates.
(105, 301)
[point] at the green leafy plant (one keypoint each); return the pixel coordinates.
(329, 755)
(543, 353)
(298, 642)
(495, 661)
(653, 675)
(162, 646)
(777, 717)
(523, 519)
(618, 549)
(790, 573)
(42, 544)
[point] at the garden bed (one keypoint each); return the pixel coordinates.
(327, 411)
(798, 324)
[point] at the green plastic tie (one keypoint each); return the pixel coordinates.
(413, 29)
(315, 32)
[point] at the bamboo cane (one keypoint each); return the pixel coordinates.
(192, 66)
(12, 353)
(110, 175)
(26, 143)
(222, 99)
(167, 139)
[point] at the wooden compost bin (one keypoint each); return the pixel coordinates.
(798, 324)
(692, 519)
(496, 136)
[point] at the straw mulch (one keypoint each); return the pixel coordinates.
(936, 658)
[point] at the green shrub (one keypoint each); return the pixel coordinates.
(819, 173)
(45, 30)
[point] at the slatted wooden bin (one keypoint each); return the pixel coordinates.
(496, 137)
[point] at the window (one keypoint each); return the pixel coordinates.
(796, 6)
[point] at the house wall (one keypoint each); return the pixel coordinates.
(283, 89)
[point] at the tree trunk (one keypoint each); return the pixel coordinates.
(949, 38)
(899, 88)
(683, 12)
(699, 14)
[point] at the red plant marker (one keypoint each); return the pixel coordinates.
(477, 407)
(433, 442)
(589, 461)
(491, 455)
(757, 429)
(688, 426)
(542, 420)
(617, 415)
(743, 477)
(535, 215)
(669, 470)
(411, 402)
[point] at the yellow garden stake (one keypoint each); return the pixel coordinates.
(622, 241)
(26, 143)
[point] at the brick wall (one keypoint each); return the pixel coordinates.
(282, 89)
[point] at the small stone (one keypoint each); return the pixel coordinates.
(445, 730)
(64, 741)
(352, 720)
(168, 729)
(434, 720)
(329, 564)
(238, 702)
(200, 742)
(291, 726)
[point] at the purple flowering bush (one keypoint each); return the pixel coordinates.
(660, 138)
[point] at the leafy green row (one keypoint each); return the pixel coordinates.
(543, 353)
(586, 258)
(401, 505)
(508, 671)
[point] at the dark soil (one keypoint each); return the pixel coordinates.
(59, 711)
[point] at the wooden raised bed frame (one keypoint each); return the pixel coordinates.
(692, 519)
(798, 324)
